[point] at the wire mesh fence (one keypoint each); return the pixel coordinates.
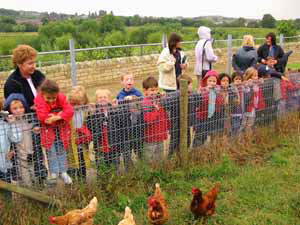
(110, 137)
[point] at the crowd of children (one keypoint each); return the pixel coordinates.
(135, 125)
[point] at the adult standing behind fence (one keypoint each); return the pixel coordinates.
(170, 63)
(246, 56)
(25, 79)
(271, 49)
(204, 53)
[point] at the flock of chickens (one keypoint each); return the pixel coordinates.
(201, 206)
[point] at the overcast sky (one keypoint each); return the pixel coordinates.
(280, 9)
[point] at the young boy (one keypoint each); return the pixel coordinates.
(127, 81)
(17, 106)
(55, 113)
(104, 122)
(156, 121)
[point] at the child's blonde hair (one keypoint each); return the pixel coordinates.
(105, 92)
(78, 96)
(124, 74)
(249, 73)
(248, 41)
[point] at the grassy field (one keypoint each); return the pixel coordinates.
(259, 176)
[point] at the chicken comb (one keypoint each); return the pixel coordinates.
(151, 200)
(52, 220)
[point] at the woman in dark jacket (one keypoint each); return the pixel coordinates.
(270, 48)
(26, 80)
(246, 56)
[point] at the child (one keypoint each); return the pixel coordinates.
(287, 90)
(55, 113)
(254, 98)
(80, 145)
(9, 133)
(104, 123)
(127, 80)
(238, 104)
(156, 121)
(208, 108)
(227, 95)
(17, 106)
(133, 118)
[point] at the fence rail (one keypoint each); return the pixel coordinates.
(106, 52)
(109, 138)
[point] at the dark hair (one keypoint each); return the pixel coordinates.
(150, 82)
(237, 74)
(222, 75)
(173, 39)
(273, 37)
(50, 87)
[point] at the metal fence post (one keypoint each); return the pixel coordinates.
(73, 62)
(183, 109)
(229, 54)
(281, 40)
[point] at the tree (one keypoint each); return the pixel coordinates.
(108, 23)
(297, 23)
(268, 21)
(286, 27)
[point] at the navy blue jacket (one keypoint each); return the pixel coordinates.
(131, 92)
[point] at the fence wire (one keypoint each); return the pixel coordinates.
(110, 138)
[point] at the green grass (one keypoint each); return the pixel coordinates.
(293, 65)
(259, 179)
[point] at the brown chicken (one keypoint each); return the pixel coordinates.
(204, 205)
(157, 208)
(78, 216)
(128, 218)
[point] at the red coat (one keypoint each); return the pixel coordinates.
(285, 87)
(202, 110)
(157, 122)
(261, 100)
(48, 132)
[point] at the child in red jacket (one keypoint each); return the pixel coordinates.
(54, 113)
(156, 121)
(208, 110)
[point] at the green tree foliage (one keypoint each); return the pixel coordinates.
(268, 21)
(297, 24)
(109, 23)
(286, 27)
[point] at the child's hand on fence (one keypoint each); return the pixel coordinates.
(33, 108)
(11, 118)
(52, 119)
(284, 78)
(36, 130)
(10, 154)
(92, 108)
(114, 102)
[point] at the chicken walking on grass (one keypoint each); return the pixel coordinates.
(203, 206)
(83, 216)
(157, 208)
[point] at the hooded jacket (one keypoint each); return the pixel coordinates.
(9, 133)
(209, 56)
(48, 131)
(15, 96)
(244, 58)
